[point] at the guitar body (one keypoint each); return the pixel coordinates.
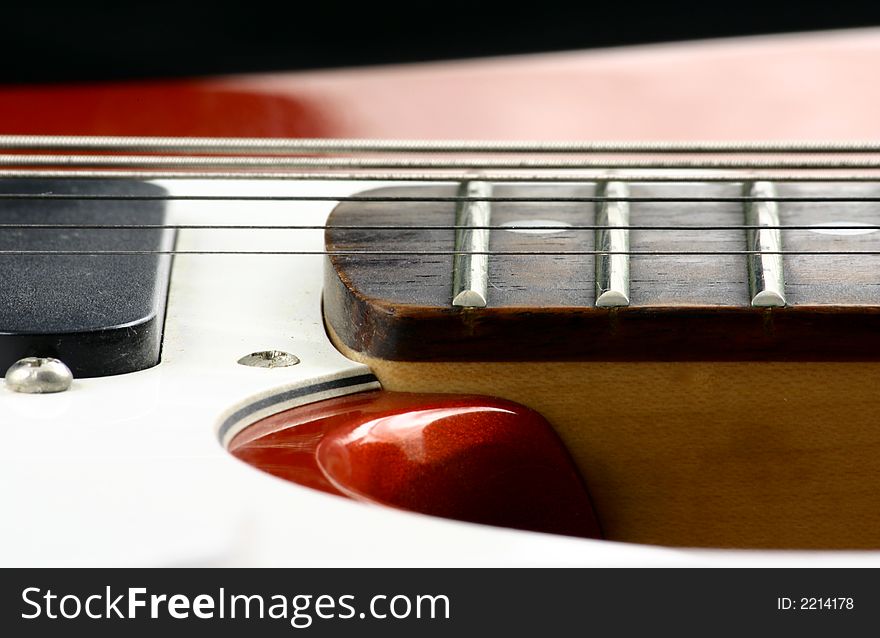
(716, 453)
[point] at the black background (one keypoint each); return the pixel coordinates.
(128, 39)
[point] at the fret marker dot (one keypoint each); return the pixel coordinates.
(527, 226)
(819, 228)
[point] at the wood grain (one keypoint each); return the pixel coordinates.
(684, 307)
(699, 454)
(695, 419)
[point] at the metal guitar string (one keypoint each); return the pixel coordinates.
(339, 145)
(430, 198)
(386, 253)
(507, 227)
(589, 169)
(437, 176)
(158, 161)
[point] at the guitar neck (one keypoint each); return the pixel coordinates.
(626, 269)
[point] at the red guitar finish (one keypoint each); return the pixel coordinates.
(815, 86)
(469, 458)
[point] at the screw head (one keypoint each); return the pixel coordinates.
(269, 359)
(38, 375)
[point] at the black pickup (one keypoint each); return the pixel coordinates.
(101, 314)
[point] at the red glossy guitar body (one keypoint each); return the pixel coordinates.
(468, 458)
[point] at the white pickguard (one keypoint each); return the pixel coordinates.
(130, 470)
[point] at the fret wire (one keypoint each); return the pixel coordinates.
(433, 178)
(766, 271)
(470, 272)
(171, 161)
(311, 145)
(612, 272)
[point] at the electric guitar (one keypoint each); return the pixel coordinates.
(252, 321)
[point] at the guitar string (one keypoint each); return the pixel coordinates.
(557, 228)
(438, 199)
(40, 143)
(441, 199)
(437, 177)
(342, 145)
(431, 199)
(171, 161)
(395, 253)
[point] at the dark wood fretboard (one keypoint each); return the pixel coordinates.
(689, 296)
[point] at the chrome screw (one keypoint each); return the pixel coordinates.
(38, 375)
(269, 359)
